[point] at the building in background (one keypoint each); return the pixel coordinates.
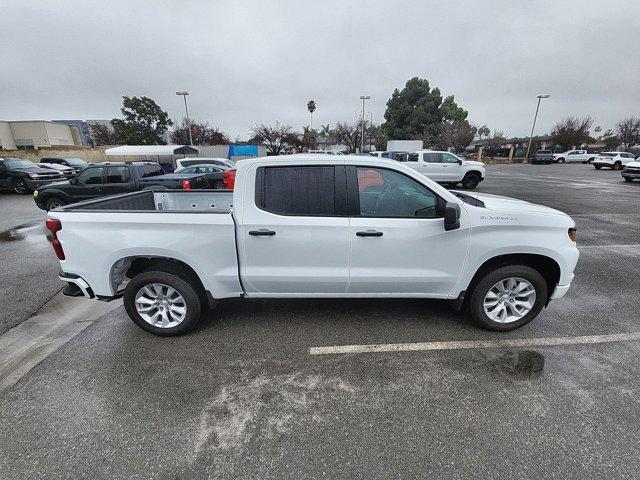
(83, 131)
(32, 134)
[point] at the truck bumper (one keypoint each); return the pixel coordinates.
(632, 176)
(76, 286)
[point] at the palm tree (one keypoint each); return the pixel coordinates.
(325, 132)
(311, 106)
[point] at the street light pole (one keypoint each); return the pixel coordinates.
(363, 98)
(186, 109)
(540, 97)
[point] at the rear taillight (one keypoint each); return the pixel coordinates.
(572, 234)
(54, 226)
(186, 185)
(229, 177)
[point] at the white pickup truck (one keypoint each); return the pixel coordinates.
(445, 167)
(315, 226)
(572, 156)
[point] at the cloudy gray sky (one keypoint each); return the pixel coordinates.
(248, 62)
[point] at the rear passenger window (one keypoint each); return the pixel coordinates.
(119, 174)
(296, 190)
(151, 171)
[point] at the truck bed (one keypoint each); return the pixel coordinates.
(211, 201)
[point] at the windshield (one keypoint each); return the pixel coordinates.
(18, 164)
(76, 162)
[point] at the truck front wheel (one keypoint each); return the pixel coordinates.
(470, 181)
(163, 303)
(508, 298)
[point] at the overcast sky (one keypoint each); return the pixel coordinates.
(248, 62)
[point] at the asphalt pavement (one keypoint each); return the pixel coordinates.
(29, 269)
(242, 397)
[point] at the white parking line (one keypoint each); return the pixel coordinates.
(475, 344)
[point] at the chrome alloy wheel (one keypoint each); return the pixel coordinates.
(160, 305)
(509, 300)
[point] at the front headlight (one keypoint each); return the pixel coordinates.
(35, 194)
(34, 175)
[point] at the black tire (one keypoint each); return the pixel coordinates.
(21, 187)
(218, 184)
(561, 160)
(590, 161)
(598, 167)
(184, 283)
(470, 181)
(617, 166)
(54, 203)
(627, 179)
(476, 304)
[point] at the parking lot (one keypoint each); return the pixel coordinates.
(250, 394)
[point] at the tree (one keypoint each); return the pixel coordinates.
(276, 138)
(309, 138)
(202, 133)
(144, 122)
(311, 106)
(418, 111)
(571, 131)
(629, 131)
(610, 139)
(483, 131)
(457, 134)
(102, 134)
(350, 134)
(497, 139)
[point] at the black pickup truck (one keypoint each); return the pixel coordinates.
(102, 179)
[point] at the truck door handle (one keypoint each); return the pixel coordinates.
(263, 232)
(369, 233)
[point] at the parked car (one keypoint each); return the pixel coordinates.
(573, 156)
(76, 164)
(68, 172)
(316, 227)
(445, 167)
(23, 176)
(613, 160)
(399, 156)
(213, 173)
(102, 179)
(631, 171)
(543, 156)
(190, 161)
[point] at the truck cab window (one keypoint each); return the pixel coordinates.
(387, 193)
(432, 158)
(90, 176)
(448, 158)
(296, 190)
(119, 174)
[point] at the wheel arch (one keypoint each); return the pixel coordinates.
(129, 267)
(546, 266)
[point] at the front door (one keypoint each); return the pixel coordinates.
(294, 238)
(398, 242)
(5, 180)
(451, 168)
(87, 184)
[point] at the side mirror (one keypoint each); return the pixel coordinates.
(451, 216)
(459, 161)
(73, 181)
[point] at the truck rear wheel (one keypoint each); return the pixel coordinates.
(163, 303)
(508, 298)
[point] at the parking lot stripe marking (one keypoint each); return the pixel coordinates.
(475, 344)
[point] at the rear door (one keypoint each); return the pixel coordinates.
(432, 166)
(398, 242)
(5, 180)
(117, 179)
(294, 234)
